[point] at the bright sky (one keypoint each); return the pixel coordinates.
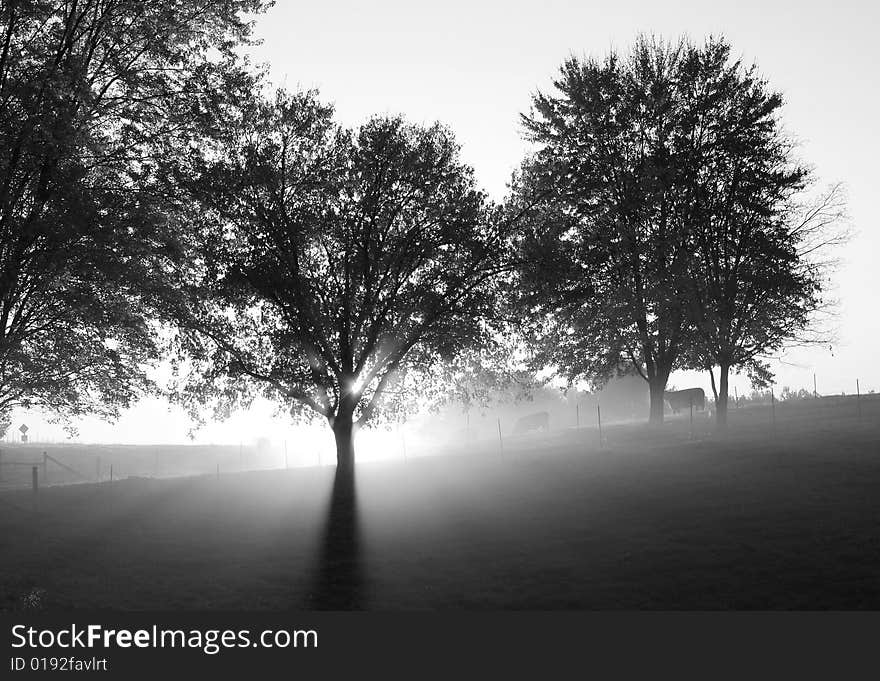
(473, 65)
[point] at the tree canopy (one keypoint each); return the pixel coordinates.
(335, 267)
(669, 227)
(91, 91)
(605, 255)
(753, 227)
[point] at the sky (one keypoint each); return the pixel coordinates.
(475, 65)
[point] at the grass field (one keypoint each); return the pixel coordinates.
(783, 516)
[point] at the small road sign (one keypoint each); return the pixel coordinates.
(23, 428)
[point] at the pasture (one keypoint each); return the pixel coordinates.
(782, 515)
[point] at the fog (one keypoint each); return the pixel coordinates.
(646, 518)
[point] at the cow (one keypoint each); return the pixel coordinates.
(685, 399)
(538, 421)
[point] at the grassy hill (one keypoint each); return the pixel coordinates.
(772, 515)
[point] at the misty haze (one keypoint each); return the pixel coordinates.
(384, 311)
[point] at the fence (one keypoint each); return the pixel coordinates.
(16, 471)
(588, 429)
(72, 463)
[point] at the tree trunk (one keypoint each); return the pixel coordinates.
(343, 431)
(714, 386)
(721, 399)
(656, 387)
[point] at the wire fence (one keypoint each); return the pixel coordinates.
(589, 427)
(71, 463)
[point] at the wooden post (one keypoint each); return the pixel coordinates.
(735, 397)
(111, 472)
(402, 442)
(691, 397)
(577, 415)
(45, 468)
(773, 407)
(34, 481)
(218, 470)
(98, 469)
(815, 392)
(500, 441)
(858, 399)
(599, 421)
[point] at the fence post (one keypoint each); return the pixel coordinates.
(773, 408)
(599, 421)
(402, 441)
(45, 468)
(691, 398)
(577, 415)
(858, 399)
(111, 472)
(500, 441)
(98, 469)
(815, 392)
(735, 398)
(218, 470)
(34, 481)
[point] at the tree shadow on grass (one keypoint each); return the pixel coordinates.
(339, 581)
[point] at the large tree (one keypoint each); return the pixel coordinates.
(671, 229)
(757, 267)
(604, 258)
(91, 92)
(333, 268)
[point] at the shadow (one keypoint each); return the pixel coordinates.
(339, 581)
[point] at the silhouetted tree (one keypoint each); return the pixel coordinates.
(757, 270)
(670, 231)
(605, 253)
(334, 269)
(90, 92)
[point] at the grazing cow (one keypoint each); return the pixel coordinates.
(684, 399)
(538, 421)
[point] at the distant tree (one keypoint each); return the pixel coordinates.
(759, 250)
(334, 270)
(488, 376)
(788, 394)
(605, 255)
(91, 91)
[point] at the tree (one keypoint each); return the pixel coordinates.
(604, 257)
(334, 269)
(91, 92)
(756, 274)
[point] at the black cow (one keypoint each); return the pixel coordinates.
(685, 399)
(538, 421)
